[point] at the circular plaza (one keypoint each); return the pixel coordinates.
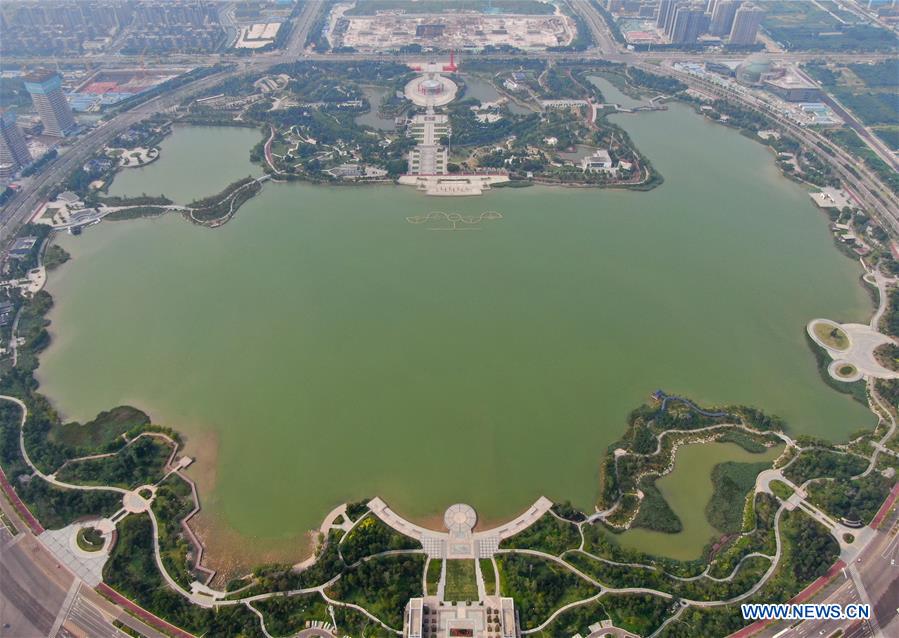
(851, 347)
(431, 89)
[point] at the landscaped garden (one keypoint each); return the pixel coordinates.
(90, 539)
(832, 336)
(461, 582)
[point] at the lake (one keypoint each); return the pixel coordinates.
(320, 348)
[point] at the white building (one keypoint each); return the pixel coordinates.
(493, 617)
(599, 162)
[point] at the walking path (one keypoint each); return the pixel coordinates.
(605, 514)
(460, 519)
(859, 354)
(461, 541)
(864, 339)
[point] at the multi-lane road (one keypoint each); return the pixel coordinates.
(873, 578)
(23, 204)
(41, 597)
(867, 187)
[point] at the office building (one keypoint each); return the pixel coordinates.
(746, 25)
(45, 88)
(14, 153)
(723, 17)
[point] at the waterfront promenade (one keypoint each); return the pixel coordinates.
(461, 541)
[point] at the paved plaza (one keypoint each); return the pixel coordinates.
(863, 340)
(460, 541)
(431, 89)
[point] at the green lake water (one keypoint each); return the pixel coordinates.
(688, 489)
(194, 162)
(339, 351)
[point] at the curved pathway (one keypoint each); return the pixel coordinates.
(604, 514)
(863, 340)
(210, 598)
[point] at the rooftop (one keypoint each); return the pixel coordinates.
(40, 75)
(792, 80)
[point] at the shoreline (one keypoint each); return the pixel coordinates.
(431, 519)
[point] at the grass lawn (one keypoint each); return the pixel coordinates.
(781, 490)
(461, 583)
(489, 575)
(89, 539)
(846, 370)
(832, 336)
(433, 577)
(105, 429)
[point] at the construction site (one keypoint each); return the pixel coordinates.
(469, 31)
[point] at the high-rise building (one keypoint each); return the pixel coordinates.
(666, 10)
(690, 21)
(668, 27)
(723, 17)
(746, 24)
(13, 150)
(45, 88)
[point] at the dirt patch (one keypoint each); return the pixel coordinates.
(203, 447)
(233, 554)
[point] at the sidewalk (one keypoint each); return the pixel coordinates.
(801, 597)
(23, 511)
(885, 508)
(151, 619)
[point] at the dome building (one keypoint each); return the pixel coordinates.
(431, 87)
(756, 69)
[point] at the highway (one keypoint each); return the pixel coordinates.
(878, 568)
(303, 23)
(608, 50)
(873, 142)
(40, 597)
(868, 189)
(23, 204)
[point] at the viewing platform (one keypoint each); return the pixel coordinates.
(455, 185)
(460, 541)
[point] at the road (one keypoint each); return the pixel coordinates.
(869, 190)
(867, 187)
(598, 28)
(39, 597)
(23, 205)
(878, 568)
(302, 24)
(295, 50)
(873, 142)
(32, 589)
